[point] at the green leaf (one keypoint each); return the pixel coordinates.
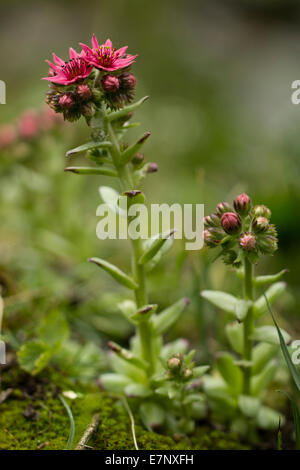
(268, 418)
(262, 354)
(72, 423)
(144, 313)
(137, 390)
(113, 116)
(296, 417)
(199, 371)
(152, 415)
(293, 370)
(114, 383)
(269, 334)
(170, 315)
(54, 330)
(115, 272)
(127, 355)
(163, 250)
(131, 151)
(230, 372)
(34, 356)
(234, 332)
(88, 146)
(128, 308)
(227, 302)
(85, 170)
(260, 382)
(111, 197)
(154, 245)
(270, 279)
(273, 293)
(249, 406)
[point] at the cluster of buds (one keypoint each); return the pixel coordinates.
(240, 230)
(95, 76)
(177, 368)
(28, 127)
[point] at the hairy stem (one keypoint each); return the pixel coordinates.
(248, 325)
(144, 328)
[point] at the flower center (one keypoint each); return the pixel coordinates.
(105, 55)
(73, 68)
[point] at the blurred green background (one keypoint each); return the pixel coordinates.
(219, 76)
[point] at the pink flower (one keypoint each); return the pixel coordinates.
(28, 124)
(105, 56)
(231, 222)
(69, 72)
(8, 136)
(247, 241)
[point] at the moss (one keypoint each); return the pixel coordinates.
(114, 433)
(47, 424)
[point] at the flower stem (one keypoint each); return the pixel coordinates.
(144, 328)
(248, 325)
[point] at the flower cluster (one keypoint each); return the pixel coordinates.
(29, 126)
(240, 230)
(96, 75)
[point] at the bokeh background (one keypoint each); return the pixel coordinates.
(219, 76)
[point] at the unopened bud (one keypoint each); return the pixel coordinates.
(231, 223)
(223, 207)
(84, 92)
(242, 204)
(110, 83)
(187, 373)
(152, 167)
(268, 244)
(247, 241)
(259, 224)
(138, 159)
(66, 101)
(261, 211)
(88, 110)
(127, 80)
(212, 237)
(211, 220)
(174, 363)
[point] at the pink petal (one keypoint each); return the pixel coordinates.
(86, 48)
(54, 67)
(58, 60)
(122, 50)
(108, 43)
(95, 43)
(72, 53)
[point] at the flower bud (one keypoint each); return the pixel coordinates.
(223, 207)
(110, 83)
(261, 211)
(212, 237)
(66, 101)
(127, 80)
(174, 363)
(260, 224)
(28, 125)
(242, 204)
(138, 159)
(88, 110)
(187, 373)
(247, 241)
(84, 92)
(268, 244)
(211, 220)
(152, 167)
(231, 223)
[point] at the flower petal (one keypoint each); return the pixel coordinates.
(72, 53)
(108, 43)
(95, 42)
(58, 60)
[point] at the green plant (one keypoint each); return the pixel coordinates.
(97, 84)
(242, 234)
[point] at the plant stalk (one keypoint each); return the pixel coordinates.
(248, 325)
(144, 328)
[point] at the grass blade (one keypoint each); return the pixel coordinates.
(296, 417)
(293, 370)
(72, 424)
